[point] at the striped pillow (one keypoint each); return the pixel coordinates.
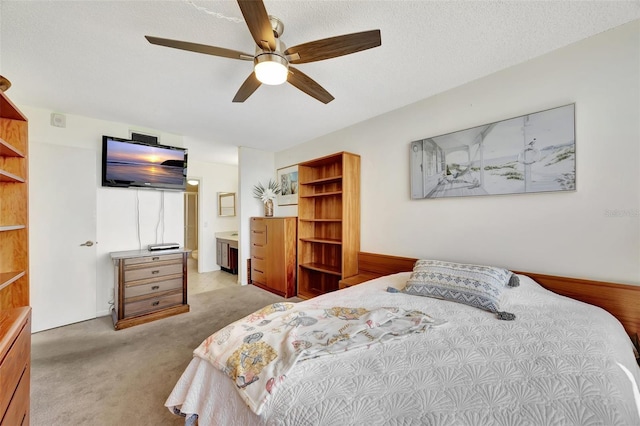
(475, 285)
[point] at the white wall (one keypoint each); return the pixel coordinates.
(221, 178)
(592, 233)
(254, 166)
(116, 208)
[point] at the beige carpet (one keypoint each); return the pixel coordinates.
(90, 374)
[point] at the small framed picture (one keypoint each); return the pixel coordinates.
(288, 180)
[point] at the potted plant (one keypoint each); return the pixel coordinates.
(266, 195)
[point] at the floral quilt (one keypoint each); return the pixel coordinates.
(258, 351)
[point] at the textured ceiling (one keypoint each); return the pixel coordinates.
(90, 58)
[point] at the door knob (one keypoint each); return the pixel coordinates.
(89, 243)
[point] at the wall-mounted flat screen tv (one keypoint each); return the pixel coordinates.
(127, 163)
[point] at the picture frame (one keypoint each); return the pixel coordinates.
(526, 154)
(226, 204)
(288, 181)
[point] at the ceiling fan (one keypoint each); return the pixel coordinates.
(272, 58)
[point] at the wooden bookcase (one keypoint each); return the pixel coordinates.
(14, 214)
(328, 222)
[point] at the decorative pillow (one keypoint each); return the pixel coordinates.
(490, 272)
(474, 285)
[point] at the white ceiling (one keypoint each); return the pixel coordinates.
(91, 58)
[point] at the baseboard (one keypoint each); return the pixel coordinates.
(103, 313)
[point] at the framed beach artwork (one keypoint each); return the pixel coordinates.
(531, 153)
(288, 180)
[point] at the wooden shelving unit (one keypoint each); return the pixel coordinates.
(328, 222)
(14, 212)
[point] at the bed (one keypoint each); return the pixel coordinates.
(559, 362)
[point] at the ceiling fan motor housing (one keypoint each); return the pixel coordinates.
(276, 25)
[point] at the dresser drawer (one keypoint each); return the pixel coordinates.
(165, 258)
(153, 287)
(258, 238)
(259, 265)
(258, 276)
(258, 224)
(18, 411)
(14, 365)
(152, 304)
(258, 251)
(151, 271)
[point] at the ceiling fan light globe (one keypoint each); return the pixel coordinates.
(271, 69)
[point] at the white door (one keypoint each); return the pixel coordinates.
(62, 230)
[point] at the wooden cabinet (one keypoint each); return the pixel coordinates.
(149, 286)
(328, 222)
(14, 214)
(15, 366)
(273, 254)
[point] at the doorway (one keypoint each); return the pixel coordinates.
(191, 219)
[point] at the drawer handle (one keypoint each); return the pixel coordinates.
(155, 287)
(155, 272)
(258, 270)
(155, 258)
(156, 303)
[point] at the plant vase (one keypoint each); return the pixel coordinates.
(268, 208)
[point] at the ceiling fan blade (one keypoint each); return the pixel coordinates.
(255, 15)
(249, 86)
(200, 48)
(308, 85)
(333, 47)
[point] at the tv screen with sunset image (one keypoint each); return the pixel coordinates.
(134, 164)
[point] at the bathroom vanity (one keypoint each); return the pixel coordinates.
(227, 251)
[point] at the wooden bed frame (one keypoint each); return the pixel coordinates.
(620, 300)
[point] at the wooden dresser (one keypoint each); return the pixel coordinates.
(273, 254)
(15, 366)
(149, 286)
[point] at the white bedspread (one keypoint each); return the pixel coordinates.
(258, 352)
(559, 363)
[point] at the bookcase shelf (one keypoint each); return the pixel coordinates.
(7, 278)
(7, 177)
(322, 194)
(4, 228)
(328, 222)
(322, 240)
(323, 181)
(14, 214)
(327, 269)
(8, 150)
